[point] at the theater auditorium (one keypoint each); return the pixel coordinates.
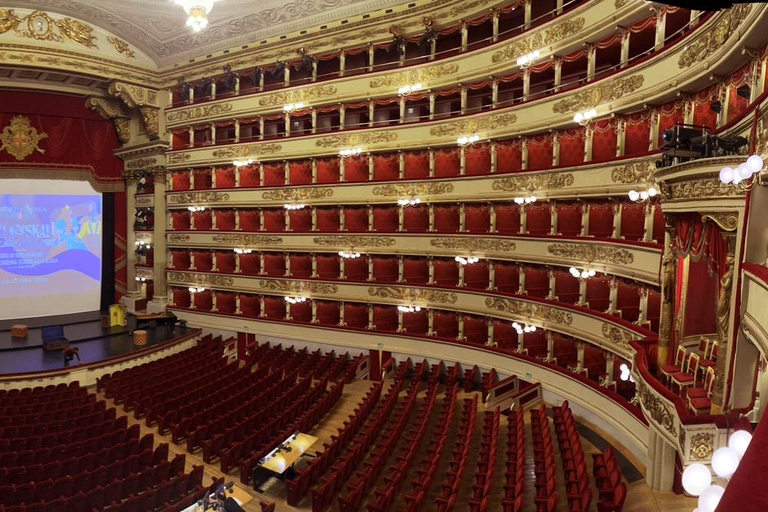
(383, 256)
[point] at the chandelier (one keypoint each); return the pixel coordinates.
(198, 11)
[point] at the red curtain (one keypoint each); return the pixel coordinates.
(327, 219)
(446, 272)
(180, 180)
(702, 113)
(476, 275)
(604, 139)
(385, 219)
(250, 220)
(478, 159)
(446, 218)
(737, 105)
(507, 219)
(700, 300)
(416, 165)
(301, 220)
(203, 220)
(274, 175)
(536, 282)
(447, 162)
(540, 151)
(327, 170)
(601, 220)
(386, 167)
(249, 176)
(569, 219)
(225, 261)
(669, 115)
(385, 269)
(250, 305)
(632, 221)
(538, 218)
(356, 315)
(328, 266)
(572, 146)
(301, 266)
(274, 265)
(509, 156)
(203, 178)
(507, 277)
(566, 287)
(225, 177)
(225, 219)
(300, 172)
(416, 270)
(637, 133)
(274, 220)
(356, 219)
(416, 219)
(446, 325)
(477, 218)
(356, 169)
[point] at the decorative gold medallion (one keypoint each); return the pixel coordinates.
(20, 138)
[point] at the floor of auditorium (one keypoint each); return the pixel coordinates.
(640, 497)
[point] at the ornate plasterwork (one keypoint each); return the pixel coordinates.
(417, 295)
(247, 151)
(199, 112)
(592, 253)
(658, 409)
(192, 278)
(298, 286)
(178, 158)
(316, 92)
(141, 163)
(121, 46)
(530, 310)
(702, 446)
(354, 241)
(616, 335)
(40, 26)
(474, 125)
(599, 94)
(20, 139)
(113, 110)
(473, 244)
(701, 188)
(620, 3)
(246, 239)
(198, 197)
(538, 40)
(150, 118)
(635, 172)
(714, 38)
(415, 76)
(176, 237)
(413, 189)
(296, 194)
(133, 96)
(548, 181)
(728, 221)
(356, 139)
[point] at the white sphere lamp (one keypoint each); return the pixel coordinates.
(710, 498)
(755, 163)
(744, 171)
(739, 441)
(725, 461)
(696, 478)
(634, 195)
(726, 175)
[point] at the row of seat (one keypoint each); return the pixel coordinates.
(28, 400)
(514, 477)
(613, 491)
(481, 490)
(458, 462)
(546, 498)
(572, 459)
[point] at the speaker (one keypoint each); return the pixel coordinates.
(716, 106)
(743, 91)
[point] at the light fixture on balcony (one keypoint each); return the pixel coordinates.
(140, 279)
(643, 195)
(409, 309)
(526, 60)
(409, 202)
(196, 289)
(743, 174)
(295, 300)
(243, 251)
(143, 243)
(471, 139)
(298, 206)
(521, 328)
(625, 374)
(290, 107)
(350, 152)
(349, 255)
(583, 274)
(408, 89)
(196, 208)
(243, 162)
(469, 260)
(525, 200)
(198, 11)
(585, 117)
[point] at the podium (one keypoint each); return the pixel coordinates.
(117, 315)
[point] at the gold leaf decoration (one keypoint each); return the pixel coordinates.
(198, 197)
(657, 408)
(701, 188)
(354, 241)
(465, 126)
(547, 181)
(538, 40)
(473, 244)
(728, 221)
(599, 94)
(246, 239)
(247, 151)
(617, 336)
(206, 279)
(715, 37)
(175, 237)
(298, 95)
(355, 139)
(298, 286)
(702, 446)
(20, 139)
(415, 76)
(413, 189)
(178, 158)
(530, 310)
(38, 25)
(198, 112)
(636, 172)
(420, 295)
(296, 194)
(141, 163)
(592, 253)
(121, 47)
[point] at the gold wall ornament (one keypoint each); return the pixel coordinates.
(40, 26)
(599, 94)
(538, 40)
(198, 112)
(150, 118)
(197, 197)
(356, 139)
(176, 237)
(121, 47)
(702, 188)
(316, 92)
(530, 310)
(728, 221)
(473, 244)
(592, 253)
(413, 189)
(141, 163)
(123, 129)
(298, 286)
(547, 181)
(462, 127)
(244, 239)
(415, 76)
(658, 409)
(296, 194)
(702, 446)
(356, 241)
(419, 295)
(635, 172)
(194, 278)
(178, 158)
(248, 151)
(617, 336)
(20, 139)
(715, 37)
(132, 95)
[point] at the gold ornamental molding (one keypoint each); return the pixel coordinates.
(591, 253)
(354, 241)
(728, 221)
(316, 92)
(176, 237)
(121, 46)
(296, 194)
(417, 295)
(635, 172)
(413, 189)
(40, 26)
(701, 188)
(535, 182)
(245, 239)
(193, 278)
(658, 409)
(356, 139)
(599, 94)
(247, 151)
(113, 111)
(20, 139)
(702, 446)
(278, 285)
(473, 244)
(199, 112)
(620, 3)
(617, 336)
(134, 96)
(142, 163)
(543, 38)
(485, 123)
(415, 76)
(715, 37)
(178, 158)
(530, 310)
(198, 197)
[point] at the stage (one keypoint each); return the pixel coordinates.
(94, 342)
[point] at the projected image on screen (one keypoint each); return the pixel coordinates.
(50, 248)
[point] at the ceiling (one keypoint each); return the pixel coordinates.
(157, 27)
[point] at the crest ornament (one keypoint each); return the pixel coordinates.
(20, 139)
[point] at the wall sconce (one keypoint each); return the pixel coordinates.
(350, 152)
(408, 309)
(242, 251)
(409, 202)
(196, 289)
(521, 328)
(526, 60)
(525, 200)
(196, 208)
(349, 255)
(290, 107)
(140, 279)
(463, 141)
(743, 174)
(469, 260)
(242, 163)
(625, 375)
(585, 117)
(582, 274)
(298, 206)
(295, 300)
(643, 195)
(407, 89)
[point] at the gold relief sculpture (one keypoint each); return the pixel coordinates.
(193, 278)
(295, 194)
(247, 151)
(132, 95)
(412, 294)
(178, 158)
(38, 25)
(250, 240)
(724, 302)
(492, 122)
(728, 221)
(464, 7)
(175, 237)
(354, 241)
(599, 94)
(714, 38)
(355, 139)
(473, 244)
(20, 139)
(616, 335)
(198, 112)
(538, 40)
(121, 47)
(530, 310)
(198, 197)
(413, 189)
(632, 173)
(298, 95)
(702, 446)
(141, 163)
(144, 201)
(123, 128)
(415, 76)
(298, 286)
(658, 409)
(702, 188)
(591, 253)
(537, 182)
(150, 118)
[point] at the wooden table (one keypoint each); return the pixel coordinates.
(279, 461)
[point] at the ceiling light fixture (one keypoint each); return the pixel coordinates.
(585, 117)
(198, 11)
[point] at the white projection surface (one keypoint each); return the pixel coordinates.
(50, 248)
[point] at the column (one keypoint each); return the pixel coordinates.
(191, 132)
(431, 162)
(214, 261)
(287, 265)
(262, 225)
(523, 220)
(621, 136)
(431, 270)
(464, 36)
(521, 343)
(460, 335)
(238, 269)
(430, 323)
(237, 132)
(342, 269)
(668, 287)
(610, 360)
(625, 34)
(342, 320)
(553, 218)
(262, 312)
(494, 158)
(400, 321)
(725, 328)
(370, 57)
(661, 17)
(287, 118)
(654, 142)
(650, 209)
(401, 164)
(261, 118)
(370, 218)
(371, 168)
(494, 91)
(400, 218)
(550, 348)
(342, 169)
(342, 218)
(313, 129)
(342, 116)
(371, 113)
(371, 325)
(526, 84)
(555, 149)
(238, 311)
(552, 295)
(431, 105)
(237, 219)
(287, 216)
(495, 21)
(492, 213)
(558, 73)
(524, 150)
(463, 91)
(489, 326)
(314, 312)
(588, 134)
(583, 293)
(313, 258)
(616, 220)
(613, 297)
(462, 160)
(579, 356)
(521, 280)
(370, 268)
(342, 63)
(287, 76)
(213, 179)
(160, 299)
(262, 270)
(400, 269)
(214, 302)
(642, 317)
(313, 226)
(401, 103)
(131, 293)
(528, 15)
(192, 221)
(192, 260)
(431, 227)
(462, 218)
(462, 284)
(584, 219)
(491, 276)
(261, 175)
(591, 54)
(237, 176)
(314, 171)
